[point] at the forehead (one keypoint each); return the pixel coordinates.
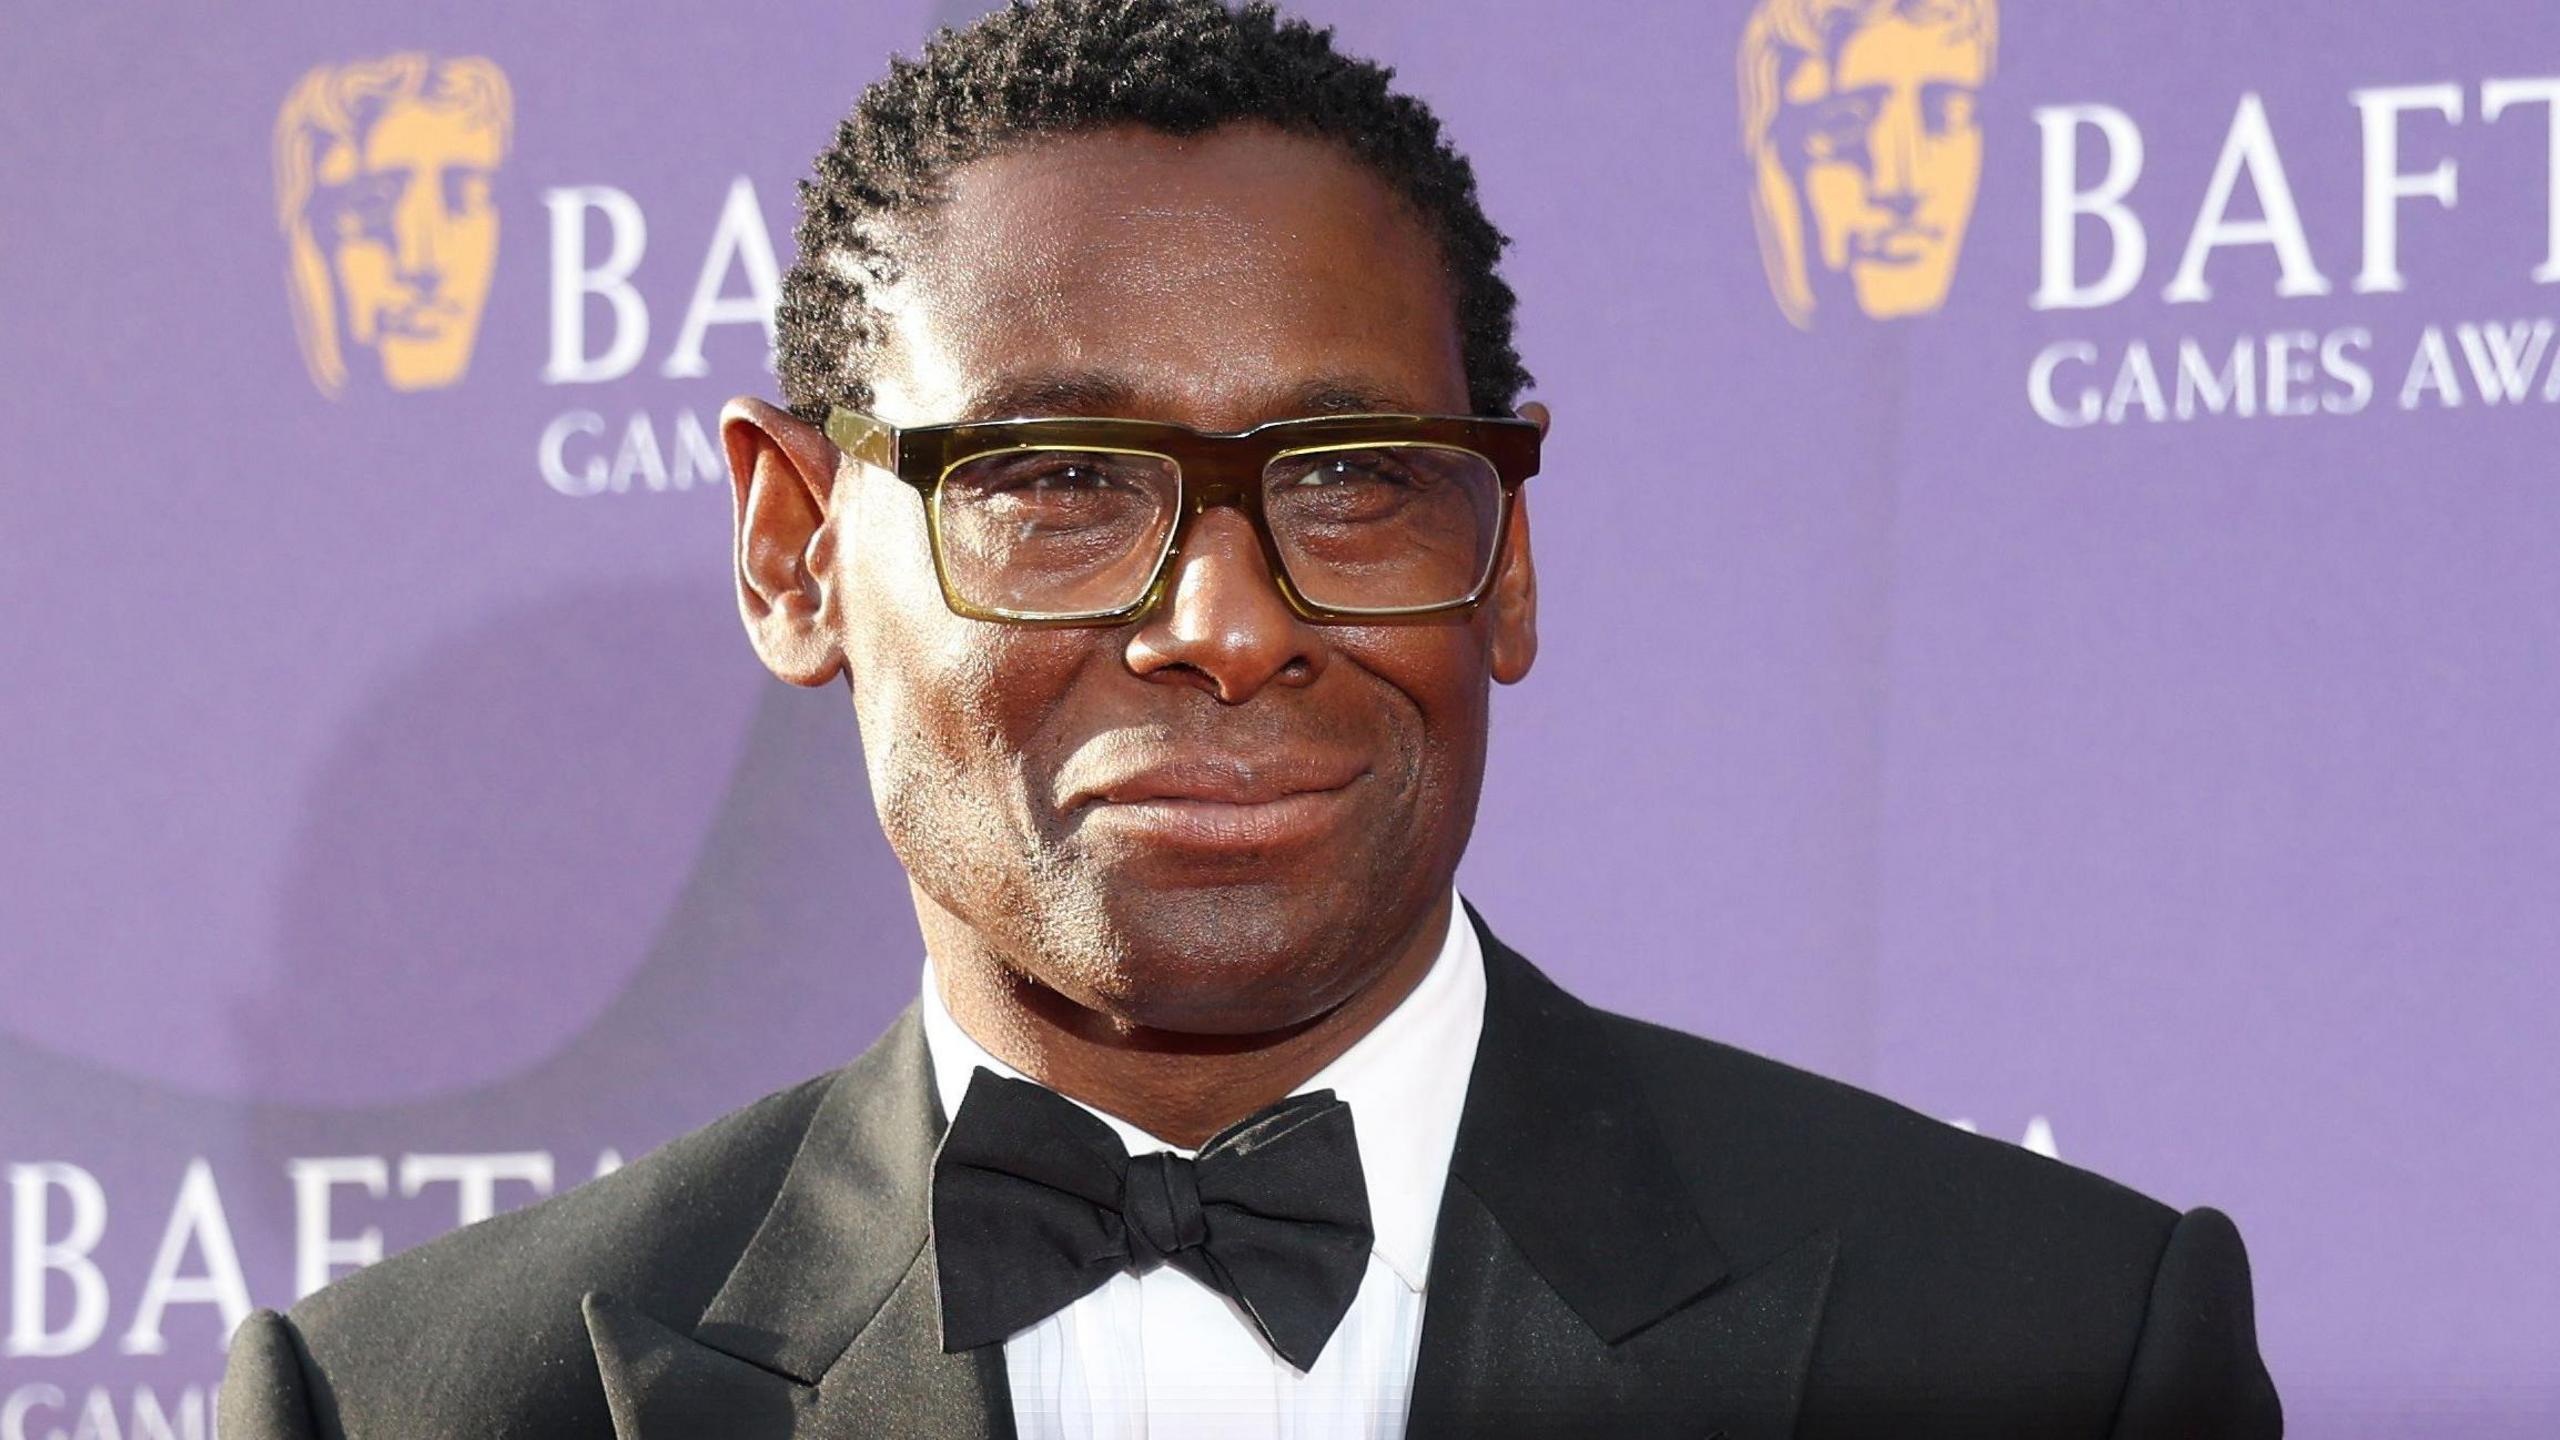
(1207, 277)
(411, 133)
(1897, 50)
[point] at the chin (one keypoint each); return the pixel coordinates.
(1894, 291)
(1211, 961)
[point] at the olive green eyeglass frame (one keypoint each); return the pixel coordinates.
(1210, 469)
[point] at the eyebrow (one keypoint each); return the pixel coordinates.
(1347, 395)
(1073, 392)
(1098, 393)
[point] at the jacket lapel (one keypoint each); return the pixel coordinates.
(1575, 1284)
(1575, 1287)
(829, 1325)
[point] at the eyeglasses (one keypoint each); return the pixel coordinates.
(1364, 518)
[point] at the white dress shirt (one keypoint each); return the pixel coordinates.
(1161, 1355)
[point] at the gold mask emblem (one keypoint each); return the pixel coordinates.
(1858, 116)
(383, 175)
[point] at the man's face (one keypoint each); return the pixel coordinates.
(1219, 818)
(412, 237)
(1890, 158)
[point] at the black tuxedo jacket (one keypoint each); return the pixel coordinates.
(1643, 1234)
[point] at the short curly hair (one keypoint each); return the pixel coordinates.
(1054, 67)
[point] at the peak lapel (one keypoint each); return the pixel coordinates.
(661, 1383)
(1575, 1287)
(829, 1325)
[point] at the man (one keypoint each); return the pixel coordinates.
(1858, 116)
(1152, 478)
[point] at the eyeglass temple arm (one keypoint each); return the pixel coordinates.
(871, 441)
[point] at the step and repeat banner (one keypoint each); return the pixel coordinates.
(2051, 559)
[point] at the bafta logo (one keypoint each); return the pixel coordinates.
(1858, 117)
(383, 171)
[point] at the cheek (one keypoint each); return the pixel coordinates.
(1837, 195)
(364, 273)
(1952, 169)
(888, 606)
(951, 709)
(1441, 692)
(470, 245)
(946, 773)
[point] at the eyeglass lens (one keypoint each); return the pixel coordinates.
(1058, 533)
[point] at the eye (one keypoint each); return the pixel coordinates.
(1357, 467)
(1058, 489)
(467, 191)
(1840, 126)
(1949, 109)
(364, 207)
(1049, 477)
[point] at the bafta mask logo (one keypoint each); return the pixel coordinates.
(1858, 116)
(383, 171)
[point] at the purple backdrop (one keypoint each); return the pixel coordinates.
(1979, 706)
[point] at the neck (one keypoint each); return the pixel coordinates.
(1181, 1088)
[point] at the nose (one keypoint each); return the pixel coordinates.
(1896, 145)
(1223, 626)
(418, 219)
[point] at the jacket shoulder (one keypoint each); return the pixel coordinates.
(479, 1331)
(1992, 1280)
(1861, 1150)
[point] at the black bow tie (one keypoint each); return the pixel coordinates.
(1036, 1203)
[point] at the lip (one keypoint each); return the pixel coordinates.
(419, 321)
(1220, 805)
(1901, 245)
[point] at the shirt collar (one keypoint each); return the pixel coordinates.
(1406, 1083)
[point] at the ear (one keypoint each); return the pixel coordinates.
(1514, 601)
(782, 473)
